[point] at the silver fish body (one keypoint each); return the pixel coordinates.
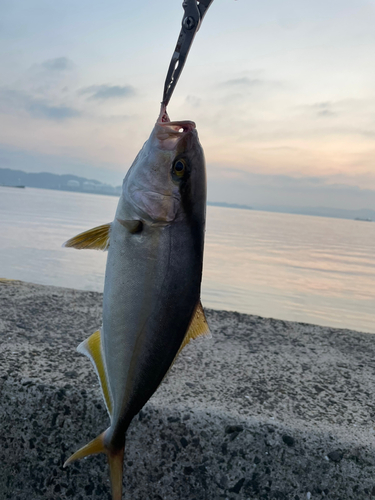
(151, 301)
(153, 276)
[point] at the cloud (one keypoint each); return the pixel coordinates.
(193, 101)
(58, 64)
(367, 133)
(260, 191)
(40, 109)
(241, 82)
(323, 109)
(14, 100)
(102, 92)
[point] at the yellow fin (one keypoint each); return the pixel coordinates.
(115, 460)
(96, 239)
(116, 464)
(197, 328)
(92, 348)
(92, 448)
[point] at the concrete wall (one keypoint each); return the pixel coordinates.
(264, 410)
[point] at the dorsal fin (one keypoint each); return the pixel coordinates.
(92, 348)
(96, 239)
(197, 328)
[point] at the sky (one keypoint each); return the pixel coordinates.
(282, 92)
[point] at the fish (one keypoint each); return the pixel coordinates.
(151, 299)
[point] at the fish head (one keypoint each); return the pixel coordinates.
(167, 180)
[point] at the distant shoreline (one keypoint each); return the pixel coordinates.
(75, 184)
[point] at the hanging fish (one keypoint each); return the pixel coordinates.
(151, 301)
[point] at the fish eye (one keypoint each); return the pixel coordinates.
(179, 168)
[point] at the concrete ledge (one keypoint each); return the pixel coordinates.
(265, 410)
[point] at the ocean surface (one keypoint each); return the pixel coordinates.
(292, 267)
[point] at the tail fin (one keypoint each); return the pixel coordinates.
(116, 464)
(115, 461)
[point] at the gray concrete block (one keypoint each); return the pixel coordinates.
(266, 409)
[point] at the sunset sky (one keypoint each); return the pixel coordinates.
(283, 93)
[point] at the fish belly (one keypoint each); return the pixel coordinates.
(152, 286)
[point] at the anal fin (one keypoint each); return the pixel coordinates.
(92, 348)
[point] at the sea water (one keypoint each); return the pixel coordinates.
(293, 267)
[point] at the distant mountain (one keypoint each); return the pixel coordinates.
(46, 180)
(362, 214)
(228, 205)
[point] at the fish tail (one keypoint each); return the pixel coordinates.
(116, 464)
(92, 448)
(115, 461)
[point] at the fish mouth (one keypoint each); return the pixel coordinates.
(170, 133)
(163, 116)
(173, 127)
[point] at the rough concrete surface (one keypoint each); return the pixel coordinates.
(266, 409)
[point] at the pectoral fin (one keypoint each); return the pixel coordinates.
(96, 239)
(133, 226)
(92, 348)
